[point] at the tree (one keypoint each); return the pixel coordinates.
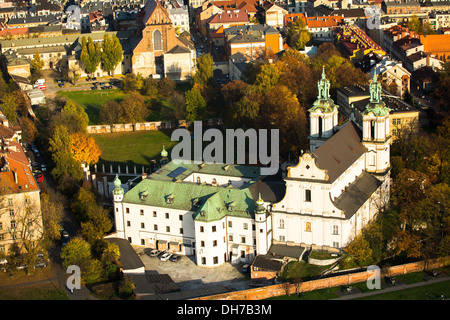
(9, 108)
(84, 148)
(90, 55)
(29, 130)
(112, 53)
(178, 103)
(267, 77)
(60, 147)
(97, 226)
(195, 105)
(37, 63)
(298, 34)
(360, 249)
(132, 82)
(52, 215)
(418, 26)
(166, 86)
(74, 117)
(150, 87)
(133, 108)
(78, 252)
(110, 112)
(205, 67)
(246, 112)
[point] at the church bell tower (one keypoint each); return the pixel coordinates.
(323, 115)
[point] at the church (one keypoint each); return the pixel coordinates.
(156, 49)
(226, 212)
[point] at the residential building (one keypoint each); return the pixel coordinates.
(226, 19)
(354, 43)
(273, 14)
(353, 99)
(403, 8)
(179, 14)
(252, 40)
(392, 75)
(20, 206)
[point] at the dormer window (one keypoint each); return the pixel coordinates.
(170, 198)
(195, 203)
(143, 195)
(231, 206)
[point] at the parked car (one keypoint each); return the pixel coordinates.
(93, 88)
(40, 264)
(175, 258)
(64, 237)
(43, 167)
(22, 266)
(166, 256)
(246, 268)
(154, 253)
(3, 261)
(39, 177)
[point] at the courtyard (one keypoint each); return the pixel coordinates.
(188, 276)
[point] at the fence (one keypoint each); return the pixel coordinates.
(148, 126)
(343, 280)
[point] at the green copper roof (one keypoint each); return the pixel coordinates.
(117, 186)
(207, 202)
(323, 102)
(164, 153)
(376, 105)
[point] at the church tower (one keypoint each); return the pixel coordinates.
(118, 209)
(323, 115)
(376, 138)
(262, 242)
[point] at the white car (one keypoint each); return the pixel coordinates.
(166, 256)
(43, 167)
(3, 261)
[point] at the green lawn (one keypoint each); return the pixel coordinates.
(134, 148)
(93, 100)
(426, 292)
(33, 292)
(302, 270)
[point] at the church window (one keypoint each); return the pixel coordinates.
(157, 40)
(335, 229)
(308, 195)
(372, 130)
(308, 227)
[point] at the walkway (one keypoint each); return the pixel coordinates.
(393, 288)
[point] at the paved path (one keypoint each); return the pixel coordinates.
(393, 288)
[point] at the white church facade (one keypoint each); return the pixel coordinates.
(222, 213)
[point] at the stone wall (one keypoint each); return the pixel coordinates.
(343, 280)
(148, 126)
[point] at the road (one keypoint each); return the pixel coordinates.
(394, 288)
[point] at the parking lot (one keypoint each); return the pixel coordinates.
(188, 276)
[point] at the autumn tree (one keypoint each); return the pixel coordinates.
(204, 72)
(195, 105)
(110, 112)
(36, 64)
(267, 77)
(84, 148)
(29, 130)
(9, 108)
(298, 35)
(74, 117)
(133, 109)
(177, 101)
(111, 53)
(90, 55)
(60, 148)
(132, 82)
(360, 250)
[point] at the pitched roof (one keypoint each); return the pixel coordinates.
(357, 194)
(228, 17)
(339, 152)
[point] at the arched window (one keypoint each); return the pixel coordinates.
(157, 40)
(308, 226)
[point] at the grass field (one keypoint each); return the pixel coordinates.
(134, 148)
(92, 101)
(33, 292)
